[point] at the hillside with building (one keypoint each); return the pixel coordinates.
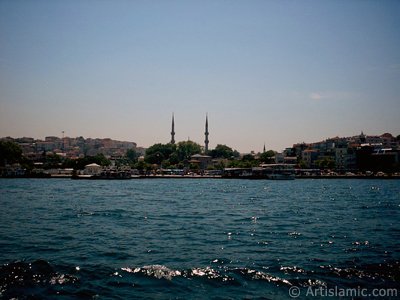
(72, 148)
(348, 154)
(360, 154)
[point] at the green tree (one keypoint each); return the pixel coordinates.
(10, 153)
(141, 166)
(220, 165)
(69, 163)
(156, 153)
(131, 155)
(52, 161)
(99, 159)
(267, 157)
(325, 163)
(248, 157)
(154, 158)
(174, 159)
(234, 164)
(248, 161)
(186, 149)
(223, 151)
(302, 164)
(194, 166)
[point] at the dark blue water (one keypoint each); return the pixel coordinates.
(196, 239)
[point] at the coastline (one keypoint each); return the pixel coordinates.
(136, 177)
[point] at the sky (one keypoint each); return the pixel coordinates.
(273, 72)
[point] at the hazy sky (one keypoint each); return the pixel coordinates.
(278, 72)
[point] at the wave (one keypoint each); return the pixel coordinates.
(19, 275)
(157, 271)
(44, 280)
(387, 274)
(223, 275)
(384, 272)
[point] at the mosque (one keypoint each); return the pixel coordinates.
(198, 159)
(206, 133)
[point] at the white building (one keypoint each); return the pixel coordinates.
(92, 169)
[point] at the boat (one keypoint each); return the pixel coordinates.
(265, 171)
(278, 171)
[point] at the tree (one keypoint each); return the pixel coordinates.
(52, 161)
(234, 164)
(220, 165)
(69, 163)
(158, 152)
(131, 155)
(325, 163)
(266, 157)
(186, 149)
(248, 157)
(223, 151)
(154, 158)
(99, 159)
(302, 164)
(141, 165)
(174, 159)
(248, 161)
(10, 152)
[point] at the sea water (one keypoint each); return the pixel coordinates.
(198, 238)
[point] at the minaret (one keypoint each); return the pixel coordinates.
(173, 130)
(206, 135)
(264, 148)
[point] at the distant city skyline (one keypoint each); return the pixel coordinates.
(28, 141)
(273, 72)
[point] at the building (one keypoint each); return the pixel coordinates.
(206, 133)
(370, 158)
(203, 161)
(309, 157)
(92, 169)
(345, 158)
(389, 141)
